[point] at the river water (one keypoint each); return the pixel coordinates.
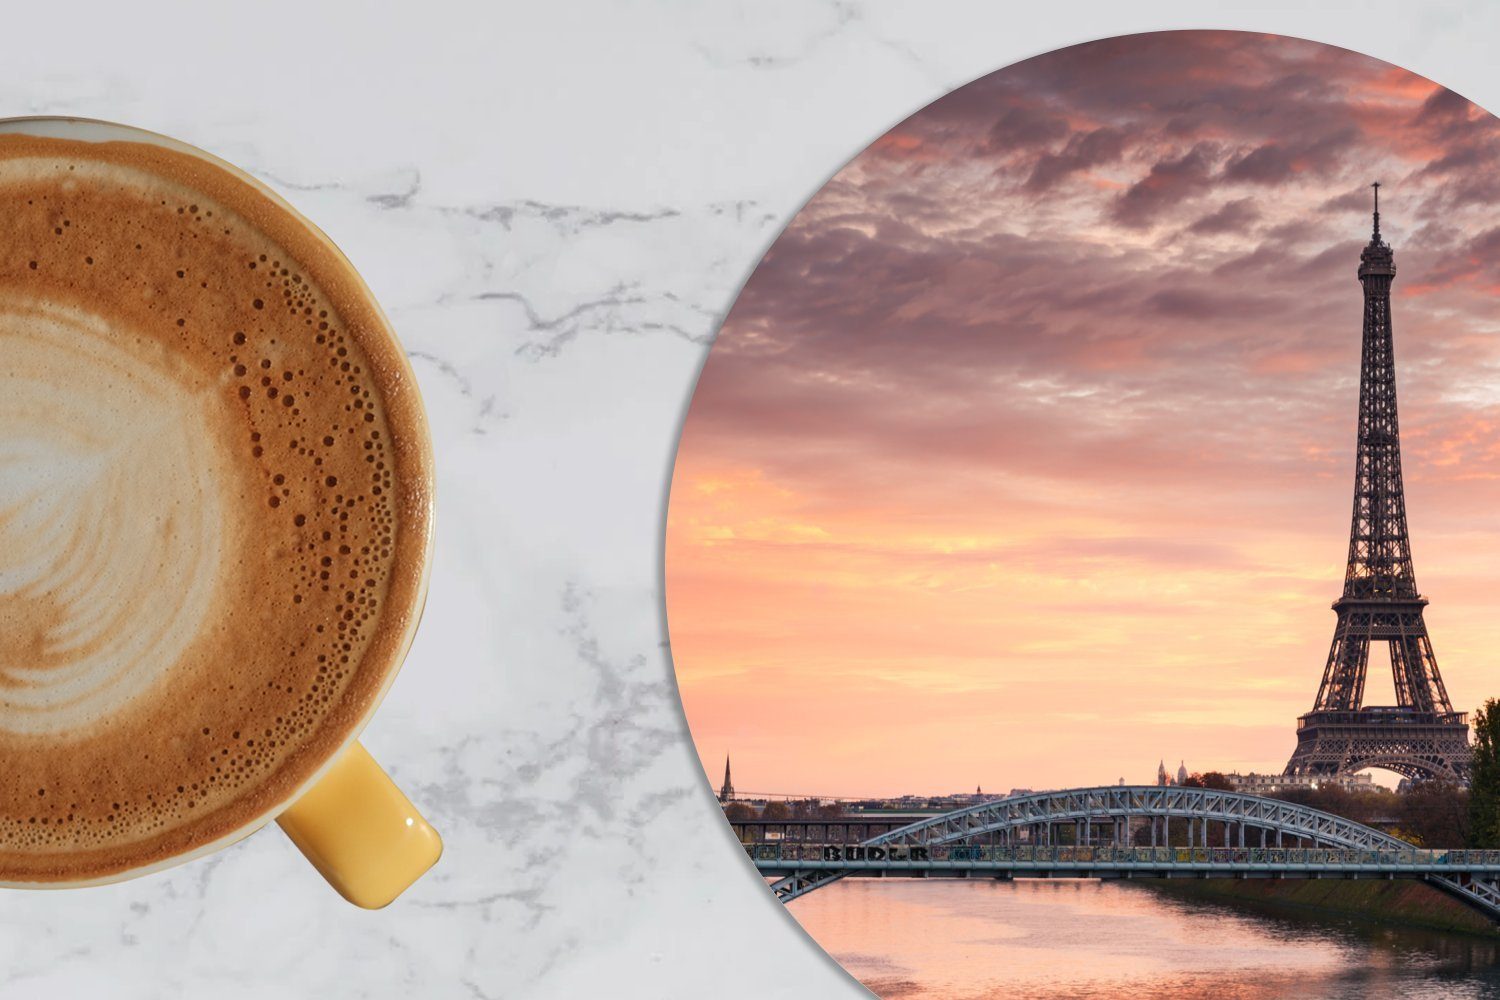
(985, 940)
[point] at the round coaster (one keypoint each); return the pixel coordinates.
(1015, 491)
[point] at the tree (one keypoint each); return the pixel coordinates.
(775, 810)
(1208, 779)
(1484, 782)
(1434, 813)
(739, 812)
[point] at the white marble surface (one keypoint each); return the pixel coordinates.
(555, 202)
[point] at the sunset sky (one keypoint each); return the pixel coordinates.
(1025, 458)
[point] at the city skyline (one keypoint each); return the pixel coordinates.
(1048, 386)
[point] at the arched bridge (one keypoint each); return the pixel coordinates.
(1124, 832)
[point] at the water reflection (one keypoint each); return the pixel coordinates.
(1085, 939)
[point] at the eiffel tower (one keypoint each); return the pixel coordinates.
(1421, 736)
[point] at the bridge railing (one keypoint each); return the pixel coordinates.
(837, 854)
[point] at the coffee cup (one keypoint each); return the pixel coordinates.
(215, 521)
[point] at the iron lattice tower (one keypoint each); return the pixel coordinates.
(1420, 736)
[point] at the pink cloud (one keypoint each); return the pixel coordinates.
(1062, 370)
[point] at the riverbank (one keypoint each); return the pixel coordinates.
(1408, 902)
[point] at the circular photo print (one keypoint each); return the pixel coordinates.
(1044, 543)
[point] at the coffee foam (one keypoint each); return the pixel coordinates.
(213, 517)
(97, 608)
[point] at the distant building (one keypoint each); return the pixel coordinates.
(1163, 778)
(1264, 784)
(726, 790)
(1270, 784)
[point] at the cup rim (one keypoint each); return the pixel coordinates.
(70, 127)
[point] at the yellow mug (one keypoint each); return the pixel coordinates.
(349, 819)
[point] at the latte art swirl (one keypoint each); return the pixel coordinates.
(97, 611)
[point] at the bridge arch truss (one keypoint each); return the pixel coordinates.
(1125, 809)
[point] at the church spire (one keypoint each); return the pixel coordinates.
(726, 791)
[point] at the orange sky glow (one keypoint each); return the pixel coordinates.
(1025, 458)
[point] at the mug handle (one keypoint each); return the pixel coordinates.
(360, 832)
